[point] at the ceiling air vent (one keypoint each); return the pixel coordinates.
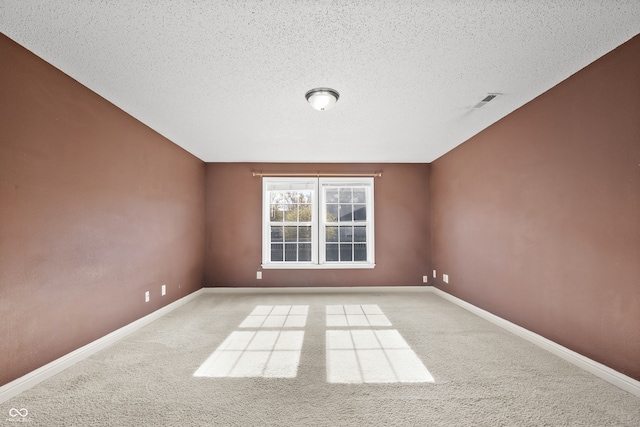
(488, 98)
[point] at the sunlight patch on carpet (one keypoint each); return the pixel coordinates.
(273, 353)
(267, 354)
(372, 356)
(278, 316)
(356, 355)
(355, 315)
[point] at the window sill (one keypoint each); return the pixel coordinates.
(328, 266)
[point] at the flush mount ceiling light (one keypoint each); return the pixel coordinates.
(322, 98)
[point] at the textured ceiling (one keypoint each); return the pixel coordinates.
(226, 80)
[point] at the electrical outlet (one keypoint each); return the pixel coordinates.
(425, 279)
(146, 296)
(258, 275)
(445, 278)
(164, 289)
(434, 274)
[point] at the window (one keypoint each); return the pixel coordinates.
(317, 223)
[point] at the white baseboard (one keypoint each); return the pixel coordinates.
(601, 371)
(315, 290)
(31, 379)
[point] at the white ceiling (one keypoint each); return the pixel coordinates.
(226, 80)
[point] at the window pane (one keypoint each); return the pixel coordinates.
(345, 195)
(290, 234)
(331, 234)
(285, 208)
(290, 252)
(304, 234)
(304, 252)
(359, 195)
(276, 234)
(291, 214)
(359, 212)
(304, 213)
(359, 252)
(332, 213)
(304, 196)
(332, 252)
(275, 213)
(332, 195)
(276, 252)
(276, 197)
(346, 233)
(360, 234)
(346, 212)
(346, 252)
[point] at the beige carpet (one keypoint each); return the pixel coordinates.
(482, 375)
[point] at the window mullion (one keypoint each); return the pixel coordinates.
(320, 221)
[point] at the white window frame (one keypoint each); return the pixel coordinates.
(266, 223)
(318, 223)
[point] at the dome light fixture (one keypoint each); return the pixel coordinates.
(322, 98)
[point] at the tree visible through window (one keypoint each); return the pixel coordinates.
(308, 223)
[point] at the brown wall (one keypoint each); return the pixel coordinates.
(233, 226)
(95, 209)
(537, 219)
